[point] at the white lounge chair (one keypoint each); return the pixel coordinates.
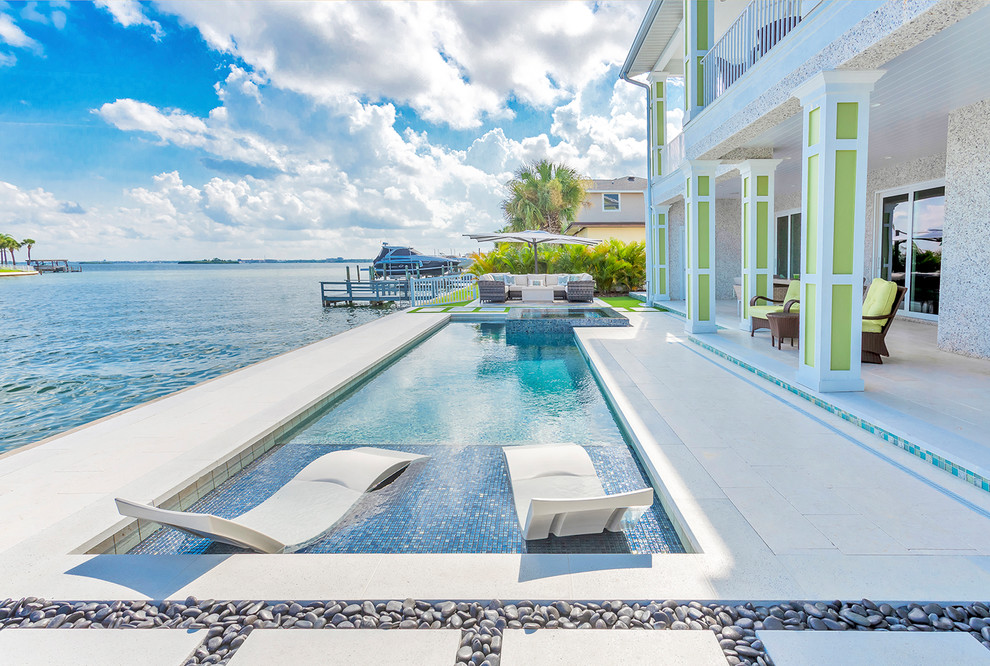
(557, 491)
(301, 510)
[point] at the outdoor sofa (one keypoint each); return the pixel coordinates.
(500, 287)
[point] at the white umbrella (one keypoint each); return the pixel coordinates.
(533, 238)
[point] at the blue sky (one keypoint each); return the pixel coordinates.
(173, 130)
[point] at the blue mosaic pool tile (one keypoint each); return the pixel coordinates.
(504, 389)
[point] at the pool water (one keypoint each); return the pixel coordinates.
(457, 397)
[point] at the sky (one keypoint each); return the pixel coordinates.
(184, 130)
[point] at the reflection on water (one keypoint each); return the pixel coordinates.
(78, 347)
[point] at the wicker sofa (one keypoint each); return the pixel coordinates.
(500, 287)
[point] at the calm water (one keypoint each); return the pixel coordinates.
(77, 347)
(458, 398)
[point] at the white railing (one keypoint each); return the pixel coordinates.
(442, 289)
(673, 154)
(761, 25)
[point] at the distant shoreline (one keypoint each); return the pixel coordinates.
(229, 261)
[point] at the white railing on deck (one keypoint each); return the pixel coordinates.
(442, 289)
(673, 154)
(761, 25)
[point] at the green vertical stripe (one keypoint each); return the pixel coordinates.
(762, 186)
(762, 239)
(659, 123)
(841, 351)
(808, 310)
(662, 281)
(814, 129)
(688, 299)
(700, 69)
(687, 232)
(662, 244)
(704, 232)
(704, 297)
(703, 184)
(843, 237)
(761, 285)
(745, 238)
(811, 217)
(745, 297)
(745, 187)
(846, 120)
(703, 7)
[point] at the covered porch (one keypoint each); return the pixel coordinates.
(927, 401)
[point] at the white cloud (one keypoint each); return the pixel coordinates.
(130, 13)
(454, 63)
(13, 36)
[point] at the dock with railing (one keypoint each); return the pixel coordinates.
(434, 290)
(53, 266)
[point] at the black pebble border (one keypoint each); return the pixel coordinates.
(229, 623)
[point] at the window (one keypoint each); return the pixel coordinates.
(789, 246)
(610, 202)
(911, 245)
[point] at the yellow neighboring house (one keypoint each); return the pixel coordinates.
(614, 209)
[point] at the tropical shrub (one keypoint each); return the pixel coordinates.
(616, 267)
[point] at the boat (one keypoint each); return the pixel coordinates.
(395, 260)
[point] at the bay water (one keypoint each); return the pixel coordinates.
(75, 347)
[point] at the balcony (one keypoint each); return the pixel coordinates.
(757, 30)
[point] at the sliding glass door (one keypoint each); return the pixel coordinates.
(789, 246)
(911, 246)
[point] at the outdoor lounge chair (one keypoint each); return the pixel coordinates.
(491, 290)
(758, 313)
(556, 491)
(880, 306)
(308, 505)
(579, 291)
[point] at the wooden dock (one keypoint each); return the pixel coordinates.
(412, 290)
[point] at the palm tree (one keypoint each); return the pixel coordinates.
(543, 195)
(5, 245)
(12, 245)
(28, 243)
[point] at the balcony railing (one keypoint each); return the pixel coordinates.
(761, 25)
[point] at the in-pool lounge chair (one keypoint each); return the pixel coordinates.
(556, 491)
(301, 510)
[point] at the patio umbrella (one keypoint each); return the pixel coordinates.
(533, 238)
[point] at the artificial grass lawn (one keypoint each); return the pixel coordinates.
(623, 301)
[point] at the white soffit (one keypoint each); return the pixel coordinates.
(910, 104)
(669, 15)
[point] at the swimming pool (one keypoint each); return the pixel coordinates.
(457, 397)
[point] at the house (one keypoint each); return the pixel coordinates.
(834, 140)
(614, 208)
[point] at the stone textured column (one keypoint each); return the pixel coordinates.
(964, 287)
(699, 37)
(758, 246)
(699, 209)
(836, 111)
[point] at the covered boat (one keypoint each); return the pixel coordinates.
(396, 260)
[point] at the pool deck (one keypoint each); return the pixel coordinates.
(779, 499)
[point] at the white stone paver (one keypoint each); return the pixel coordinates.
(354, 647)
(549, 647)
(873, 648)
(97, 647)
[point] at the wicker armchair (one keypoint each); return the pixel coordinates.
(790, 303)
(580, 291)
(492, 291)
(874, 345)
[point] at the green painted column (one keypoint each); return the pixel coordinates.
(758, 246)
(659, 273)
(836, 111)
(699, 210)
(699, 37)
(656, 219)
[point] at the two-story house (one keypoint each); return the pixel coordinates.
(613, 208)
(831, 140)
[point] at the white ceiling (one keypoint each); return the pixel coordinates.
(911, 102)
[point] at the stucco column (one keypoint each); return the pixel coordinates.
(699, 37)
(836, 112)
(699, 209)
(758, 246)
(659, 268)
